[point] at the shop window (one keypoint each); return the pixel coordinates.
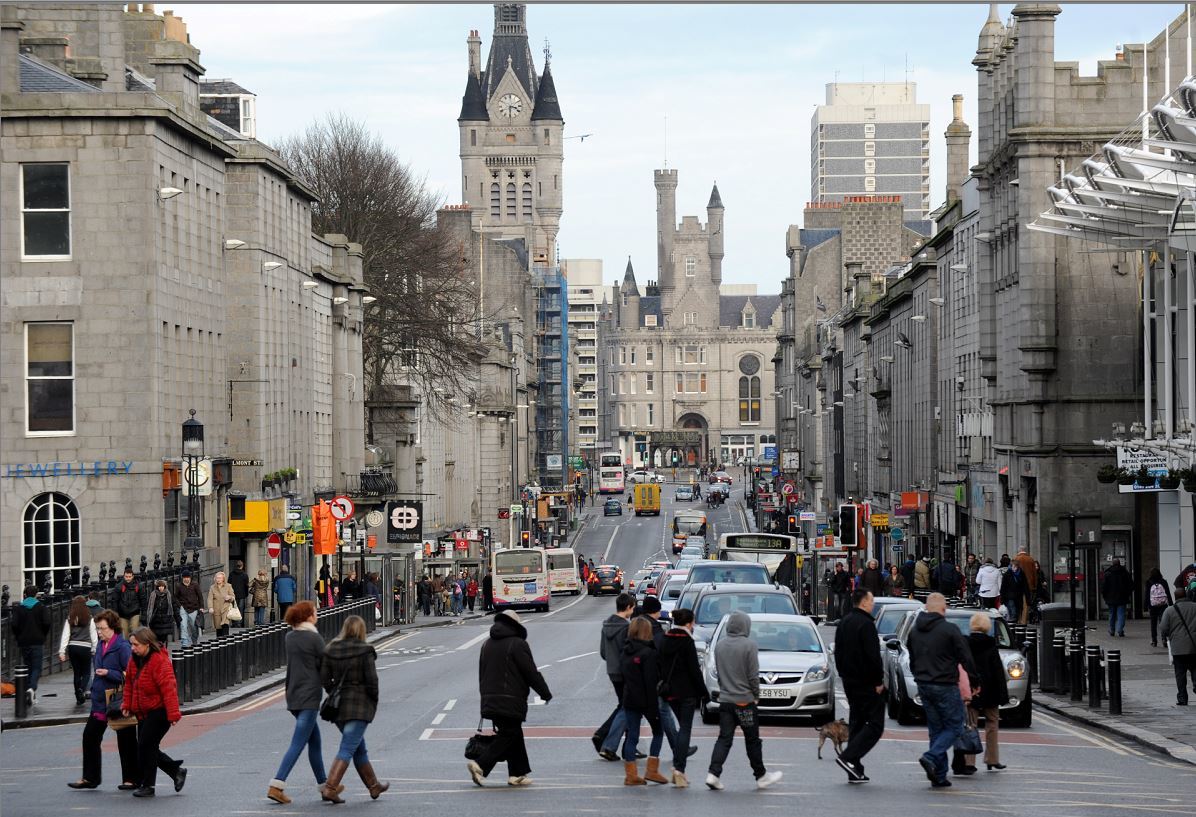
(49, 379)
(50, 541)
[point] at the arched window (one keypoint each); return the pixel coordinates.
(527, 201)
(50, 538)
(749, 399)
(511, 211)
(495, 200)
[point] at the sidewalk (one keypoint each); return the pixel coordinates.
(56, 699)
(1149, 714)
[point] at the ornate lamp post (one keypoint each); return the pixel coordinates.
(193, 453)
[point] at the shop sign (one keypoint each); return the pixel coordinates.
(97, 468)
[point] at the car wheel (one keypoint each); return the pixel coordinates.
(1021, 717)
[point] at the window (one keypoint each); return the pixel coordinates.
(632, 355)
(527, 201)
(649, 320)
(691, 382)
(511, 200)
(495, 201)
(651, 414)
(869, 131)
(473, 137)
(749, 319)
(49, 379)
(869, 184)
(869, 148)
(614, 385)
(547, 136)
(612, 356)
(622, 355)
(50, 537)
(691, 354)
(691, 318)
(691, 266)
(632, 378)
(408, 352)
(45, 211)
(649, 354)
(749, 399)
(650, 383)
(622, 414)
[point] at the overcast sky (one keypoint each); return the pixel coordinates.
(737, 83)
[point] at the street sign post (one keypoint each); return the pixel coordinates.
(273, 545)
(342, 508)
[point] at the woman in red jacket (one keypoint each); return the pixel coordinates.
(151, 694)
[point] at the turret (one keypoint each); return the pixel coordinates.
(629, 306)
(666, 226)
(714, 228)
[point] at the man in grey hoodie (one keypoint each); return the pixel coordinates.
(737, 660)
(610, 649)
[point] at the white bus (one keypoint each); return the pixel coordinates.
(563, 575)
(520, 577)
(775, 551)
(610, 473)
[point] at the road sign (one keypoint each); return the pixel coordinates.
(289, 537)
(807, 516)
(504, 513)
(405, 522)
(517, 510)
(341, 507)
(273, 545)
(374, 519)
(787, 488)
(879, 520)
(300, 538)
(896, 534)
(293, 516)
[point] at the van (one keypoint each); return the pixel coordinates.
(647, 499)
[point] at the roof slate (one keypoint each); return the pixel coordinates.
(811, 238)
(515, 47)
(473, 104)
(222, 86)
(715, 199)
(730, 309)
(38, 77)
(546, 106)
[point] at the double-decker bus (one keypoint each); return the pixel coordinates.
(520, 577)
(775, 551)
(610, 473)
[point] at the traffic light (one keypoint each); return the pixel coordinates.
(848, 522)
(792, 523)
(525, 538)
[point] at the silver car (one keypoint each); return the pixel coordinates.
(904, 702)
(797, 677)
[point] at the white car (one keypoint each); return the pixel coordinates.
(644, 476)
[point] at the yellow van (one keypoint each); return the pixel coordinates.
(647, 499)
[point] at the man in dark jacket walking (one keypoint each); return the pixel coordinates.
(948, 578)
(872, 579)
(683, 687)
(610, 649)
(239, 580)
(190, 601)
(936, 651)
(858, 662)
(129, 601)
(840, 592)
(506, 673)
(1117, 588)
(30, 626)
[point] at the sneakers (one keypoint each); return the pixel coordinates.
(475, 772)
(520, 780)
(713, 783)
(855, 774)
(928, 767)
(767, 779)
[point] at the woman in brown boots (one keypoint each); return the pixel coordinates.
(350, 668)
(640, 701)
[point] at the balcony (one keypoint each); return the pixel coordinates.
(370, 483)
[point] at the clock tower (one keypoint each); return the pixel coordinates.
(511, 128)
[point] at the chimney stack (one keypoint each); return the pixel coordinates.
(958, 137)
(475, 53)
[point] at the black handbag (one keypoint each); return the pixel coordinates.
(330, 710)
(478, 742)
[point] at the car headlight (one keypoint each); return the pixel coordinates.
(1016, 668)
(818, 673)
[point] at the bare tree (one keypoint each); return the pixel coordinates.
(423, 327)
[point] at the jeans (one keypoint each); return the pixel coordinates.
(842, 603)
(259, 616)
(667, 724)
(242, 604)
(188, 632)
(126, 744)
(618, 727)
(746, 718)
(307, 733)
(684, 710)
(353, 742)
(283, 606)
(1156, 613)
(1184, 665)
(633, 735)
(944, 718)
(865, 724)
(1116, 619)
(150, 757)
(80, 658)
(32, 655)
(1014, 607)
(508, 746)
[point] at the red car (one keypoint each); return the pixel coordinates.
(721, 476)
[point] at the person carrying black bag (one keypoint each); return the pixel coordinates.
(506, 673)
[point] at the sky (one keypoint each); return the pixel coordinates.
(721, 92)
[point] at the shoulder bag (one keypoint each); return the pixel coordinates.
(478, 742)
(232, 612)
(330, 710)
(114, 701)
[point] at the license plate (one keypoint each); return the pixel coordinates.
(607, 587)
(767, 692)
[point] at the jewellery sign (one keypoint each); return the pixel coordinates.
(404, 522)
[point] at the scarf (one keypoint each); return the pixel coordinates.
(29, 602)
(306, 625)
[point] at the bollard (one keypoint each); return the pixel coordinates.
(176, 662)
(1077, 670)
(1114, 660)
(1031, 652)
(188, 674)
(1059, 648)
(20, 680)
(1094, 674)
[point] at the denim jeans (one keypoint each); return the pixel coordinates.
(667, 724)
(1116, 619)
(259, 616)
(353, 742)
(633, 735)
(944, 718)
(618, 726)
(307, 733)
(32, 655)
(187, 629)
(684, 710)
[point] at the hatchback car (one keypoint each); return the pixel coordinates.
(717, 600)
(606, 579)
(797, 677)
(904, 702)
(721, 476)
(719, 572)
(694, 550)
(684, 494)
(612, 507)
(637, 577)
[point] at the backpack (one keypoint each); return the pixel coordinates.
(1158, 595)
(456, 589)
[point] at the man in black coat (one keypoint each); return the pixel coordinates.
(30, 626)
(1117, 588)
(840, 584)
(506, 673)
(683, 686)
(130, 600)
(857, 658)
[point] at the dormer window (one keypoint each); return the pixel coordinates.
(749, 318)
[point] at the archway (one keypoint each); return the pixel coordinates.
(696, 452)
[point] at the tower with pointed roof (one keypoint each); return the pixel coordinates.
(510, 138)
(690, 257)
(629, 303)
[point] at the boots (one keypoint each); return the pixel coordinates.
(366, 772)
(680, 780)
(331, 790)
(276, 793)
(653, 775)
(631, 775)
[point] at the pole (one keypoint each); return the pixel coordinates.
(1077, 670)
(1114, 659)
(1094, 674)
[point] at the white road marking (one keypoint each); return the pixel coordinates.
(451, 703)
(573, 657)
(426, 734)
(436, 721)
(475, 640)
(609, 542)
(556, 610)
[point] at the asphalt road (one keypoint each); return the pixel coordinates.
(430, 705)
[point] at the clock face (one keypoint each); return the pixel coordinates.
(510, 105)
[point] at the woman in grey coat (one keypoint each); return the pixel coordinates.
(305, 654)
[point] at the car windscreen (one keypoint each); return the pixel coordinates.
(999, 631)
(753, 573)
(688, 598)
(889, 618)
(672, 590)
(785, 636)
(713, 607)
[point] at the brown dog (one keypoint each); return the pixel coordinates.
(836, 732)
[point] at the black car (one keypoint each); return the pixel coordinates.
(612, 507)
(605, 579)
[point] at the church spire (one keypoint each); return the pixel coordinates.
(546, 106)
(629, 286)
(715, 199)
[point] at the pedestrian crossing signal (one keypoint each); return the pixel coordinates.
(793, 524)
(848, 523)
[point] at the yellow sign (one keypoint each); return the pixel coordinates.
(801, 560)
(300, 538)
(277, 514)
(880, 520)
(257, 518)
(289, 537)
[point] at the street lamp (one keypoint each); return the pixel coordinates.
(193, 453)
